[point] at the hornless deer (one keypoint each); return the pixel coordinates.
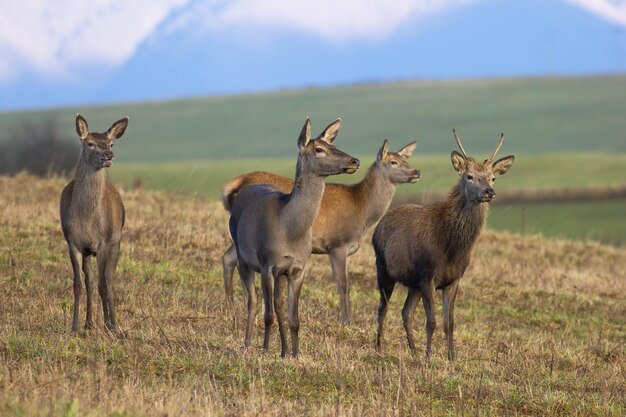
(272, 231)
(92, 217)
(346, 213)
(428, 248)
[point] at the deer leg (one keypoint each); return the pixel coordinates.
(247, 279)
(88, 290)
(279, 308)
(449, 296)
(111, 266)
(339, 265)
(267, 285)
(293, 297)
(385, 287)
(229, 262)
(76, 258)
(428, 299)
(408, 311)
(101, 260)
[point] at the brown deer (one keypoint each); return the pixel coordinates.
(345, 215)
(428, 248)
(92, 217)
(272, 231)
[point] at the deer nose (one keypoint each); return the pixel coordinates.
(416, 173)
(489, 192)
(356, 162)
(108, 155)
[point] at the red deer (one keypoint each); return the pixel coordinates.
(92, 217)
(345, 215)
(428, 248)
(272, 231)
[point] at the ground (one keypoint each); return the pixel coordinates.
(541, 327)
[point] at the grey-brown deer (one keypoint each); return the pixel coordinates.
(92, 217)
(272, 231)
(428, 248)
(345, 215)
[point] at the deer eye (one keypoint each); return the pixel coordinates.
(319, 150)
(493, 179)
(90, 144)
(393, 162)
(470, 178)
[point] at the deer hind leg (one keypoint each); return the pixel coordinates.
(449, 296)
(428, 299)
(408, 311)
(88, 290)
(247, 279)
(293, 297)
(107, 262)
(339, 265)
(267, 285)
(229, 262)
(76, 258)
(385, 287)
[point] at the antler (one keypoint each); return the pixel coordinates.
(458, 142)
(493, 155)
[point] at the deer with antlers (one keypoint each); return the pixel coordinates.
(428, 248)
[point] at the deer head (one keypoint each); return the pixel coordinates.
(477, 178)
(319, 156)
(394, 165)
(97, 147)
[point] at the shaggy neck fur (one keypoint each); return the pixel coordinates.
(375, 192)
(304, 202)
(462, 220)
(88, 187)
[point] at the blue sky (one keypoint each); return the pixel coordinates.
(73, 52)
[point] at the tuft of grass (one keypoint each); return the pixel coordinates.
(541, 327)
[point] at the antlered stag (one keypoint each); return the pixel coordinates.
(428, 248)
(345, 215)
(272, 231)
(92, 217)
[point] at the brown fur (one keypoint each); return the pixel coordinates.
(428, 248)
(272, 231)
(92, 218)
(346, 213)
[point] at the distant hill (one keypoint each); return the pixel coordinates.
(536, 114)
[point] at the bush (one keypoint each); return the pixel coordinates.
(37, 147)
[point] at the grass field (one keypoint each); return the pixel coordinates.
(537, 115)
(541, 327)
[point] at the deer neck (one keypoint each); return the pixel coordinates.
(304, 203)
(464, 220)
(89, 186)
(374, 193)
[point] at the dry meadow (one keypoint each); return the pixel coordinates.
(540, 327)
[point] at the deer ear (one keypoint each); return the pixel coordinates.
(458, 162)
(330, 133)
(305, 134)
(81, 127)
(382, 152)
(408, 149)
(502, 165)
(117, 129)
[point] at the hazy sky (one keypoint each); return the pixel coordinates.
(75, 51)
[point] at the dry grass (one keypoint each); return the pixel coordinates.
(541, 328)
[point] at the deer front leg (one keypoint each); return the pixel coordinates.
(408, 311)
(279, 309)
(76, 258)
(339, 265)
(88, 290)
(428, 299)
(267, 285)
(449, 296)
(293, 297)
(247, 279)
(229, 262)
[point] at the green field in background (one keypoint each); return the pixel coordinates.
(537, 115)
